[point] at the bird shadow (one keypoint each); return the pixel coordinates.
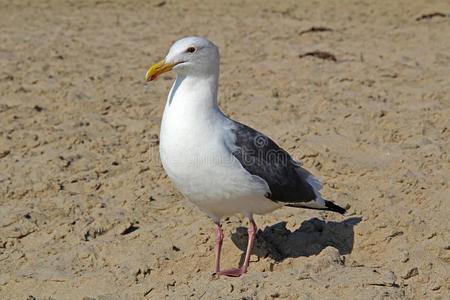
(314, 235)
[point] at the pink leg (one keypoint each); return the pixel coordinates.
(219, 239)
(251, 238)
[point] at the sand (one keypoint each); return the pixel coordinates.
(87, 211)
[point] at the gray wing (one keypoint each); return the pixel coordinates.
(262, 157)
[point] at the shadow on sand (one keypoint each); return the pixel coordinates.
(310, 238)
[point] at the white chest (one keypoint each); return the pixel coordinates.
(188, 147)
(189, 141)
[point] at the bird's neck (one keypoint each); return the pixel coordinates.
(191, 112)
(194, 94)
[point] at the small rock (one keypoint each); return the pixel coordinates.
(128, 228)
(17, 254)
(171, 283)
(275, 93)
(302, 276)
(4, 153)
(394, 234)
(431, 235)
(330, 256)
(436, 286)
(411, 273)
(404, 257)
(4, 278)
(389, 278)
(148, 291)
(275, 295)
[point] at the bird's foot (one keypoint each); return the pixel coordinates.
(233, 272)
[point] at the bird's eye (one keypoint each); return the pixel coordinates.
(190, 50)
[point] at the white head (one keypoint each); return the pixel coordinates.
(190, 56)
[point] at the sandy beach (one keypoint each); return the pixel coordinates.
(358, 91)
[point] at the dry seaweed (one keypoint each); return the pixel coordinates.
(429, 16)
(319, 54)
(315, 29)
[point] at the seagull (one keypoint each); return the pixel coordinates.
(222, 166)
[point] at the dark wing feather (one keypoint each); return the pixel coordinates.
(260, 156)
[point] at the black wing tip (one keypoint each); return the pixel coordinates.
(330, 206)
(336, 208)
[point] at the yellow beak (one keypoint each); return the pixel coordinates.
(158, 69)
